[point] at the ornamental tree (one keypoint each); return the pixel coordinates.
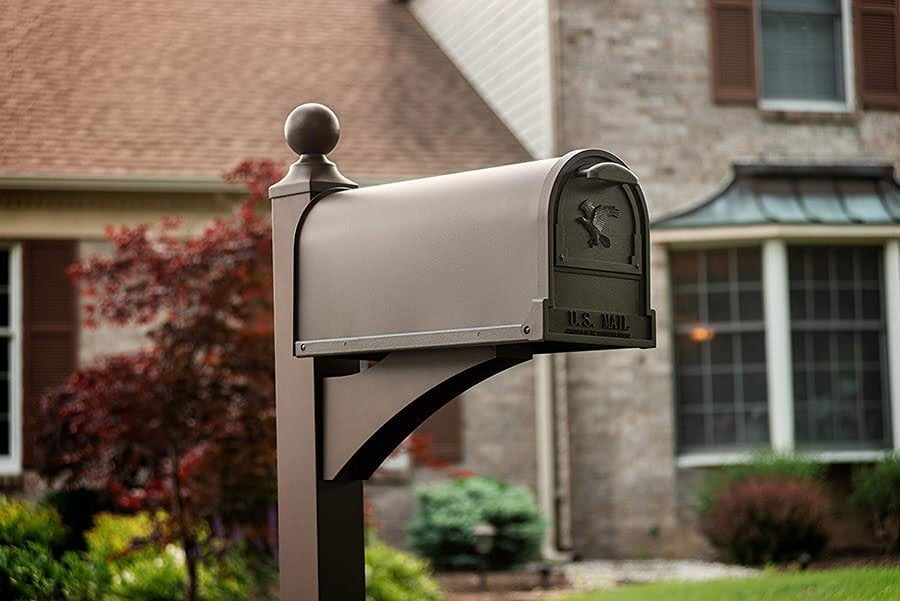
(187, 424)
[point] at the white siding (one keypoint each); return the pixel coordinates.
(503, 49)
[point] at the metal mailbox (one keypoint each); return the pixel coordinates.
(552, 253)
(444, 281)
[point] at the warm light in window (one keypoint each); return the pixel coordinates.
(702, 334)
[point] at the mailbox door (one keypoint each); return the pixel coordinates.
(599, 279)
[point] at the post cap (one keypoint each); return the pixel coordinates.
(312, 128)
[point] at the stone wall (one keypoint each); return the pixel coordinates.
(624, 481)
(634, 78)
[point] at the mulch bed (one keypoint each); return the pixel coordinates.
(518, 581)
(548, 595)
(866, 559)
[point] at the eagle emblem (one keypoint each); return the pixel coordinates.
(594, 221)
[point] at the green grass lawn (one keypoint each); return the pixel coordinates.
(857, 584)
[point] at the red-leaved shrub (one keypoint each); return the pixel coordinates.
(760, 520)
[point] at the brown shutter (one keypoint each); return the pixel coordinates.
(877, 52)
(732, 25)
(49, 330)
(443, 430)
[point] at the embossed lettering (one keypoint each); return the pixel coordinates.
(580, 319)
(614, 321)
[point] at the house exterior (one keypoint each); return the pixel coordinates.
(766, 134)
(113, 115)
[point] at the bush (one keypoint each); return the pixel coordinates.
(22, 523)
(764, 465)
(877, 487)
(229, 578)
(152, 575)
(144, 572)
(442, 529)
(757, 520)
(122, 561)
(121, 539)
(30, 573)
(160, 577)
(392, 575)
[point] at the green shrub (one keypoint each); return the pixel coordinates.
(30, 573)
(877, 487)
(151, 577)
(144, 572)
(229, 578)
(121, 538)
(764, 465)
(447, 513)
(162, 577)
(392, 575)
(22, 523)
(757, 520)
(122, 562)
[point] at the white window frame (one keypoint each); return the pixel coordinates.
(11, 465)
(774, 240)
(814, 106)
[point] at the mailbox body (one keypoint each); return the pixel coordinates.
(534, 253)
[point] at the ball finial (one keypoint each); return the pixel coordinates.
(312, 128)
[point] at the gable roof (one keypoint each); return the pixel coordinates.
(188, 88)
(798, 194)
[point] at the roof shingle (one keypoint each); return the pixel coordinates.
(189, 87)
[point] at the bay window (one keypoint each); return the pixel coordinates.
(786, 314)
(837, 316)
(838, 347)
(719, 348)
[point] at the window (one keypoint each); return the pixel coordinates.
(836, 395)
(802, 50)
(10, 419)
(807, 55)
(838, 341)
(720, 371)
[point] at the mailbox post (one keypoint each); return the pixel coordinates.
(444, 282)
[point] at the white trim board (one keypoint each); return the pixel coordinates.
(11, 465)
(779, 366)
(892, 311)
(834, 234)
(716, 459)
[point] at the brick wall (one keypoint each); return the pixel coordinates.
(634, 78)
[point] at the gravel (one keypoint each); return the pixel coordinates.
(599, 574)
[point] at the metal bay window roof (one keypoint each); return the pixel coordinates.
(798, 194)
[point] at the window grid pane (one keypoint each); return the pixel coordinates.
(802, 51)
(837, 331)
(721, 395)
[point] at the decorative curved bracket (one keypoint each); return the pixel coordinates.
(368, 414)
